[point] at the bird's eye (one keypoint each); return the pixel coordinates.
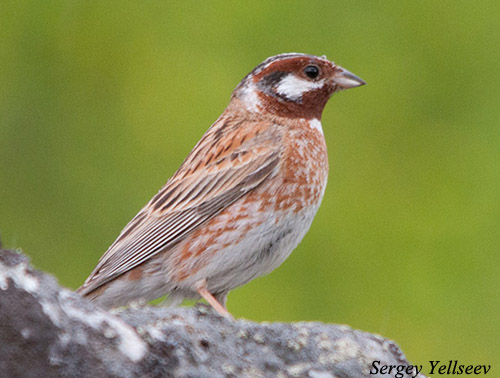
(311, 71)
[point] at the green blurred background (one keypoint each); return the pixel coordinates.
(101, 101)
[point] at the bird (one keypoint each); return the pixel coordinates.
(241, 201)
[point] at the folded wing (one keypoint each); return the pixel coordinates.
(217, 172)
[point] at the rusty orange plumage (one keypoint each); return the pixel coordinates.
(240, 202)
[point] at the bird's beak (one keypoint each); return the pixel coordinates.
(346, 79)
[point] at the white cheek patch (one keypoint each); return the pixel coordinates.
(315, 124)
(293, 87)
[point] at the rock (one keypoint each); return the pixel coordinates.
(50, 331)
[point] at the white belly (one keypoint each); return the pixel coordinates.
(262, 250)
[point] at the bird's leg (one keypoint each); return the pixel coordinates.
(221, 298)
(216, 305)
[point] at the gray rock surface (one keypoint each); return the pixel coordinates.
(49, 331)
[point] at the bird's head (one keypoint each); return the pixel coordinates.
(293, 85)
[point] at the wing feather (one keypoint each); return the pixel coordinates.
(192, 197)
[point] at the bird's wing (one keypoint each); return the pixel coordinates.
(228, 162)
